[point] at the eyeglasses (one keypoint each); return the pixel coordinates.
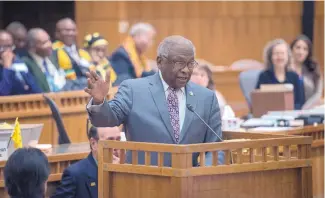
(6, 47)
(182, 64)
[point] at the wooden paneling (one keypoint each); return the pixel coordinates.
(222, 32)
(319, 33)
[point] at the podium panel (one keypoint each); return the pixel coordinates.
(253, 168)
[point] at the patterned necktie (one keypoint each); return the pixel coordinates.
(173, 111)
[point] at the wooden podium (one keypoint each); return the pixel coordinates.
(253, 168)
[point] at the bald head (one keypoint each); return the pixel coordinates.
(38, 41)
(175, 60)
(18, 32)
(66, 31)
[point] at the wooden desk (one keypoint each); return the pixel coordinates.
(59, 158)
(317, 152)
(33, 109)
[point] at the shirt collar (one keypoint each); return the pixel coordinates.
(166, 86)
(37, 58)
(94, 159)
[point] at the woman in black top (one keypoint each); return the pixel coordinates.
(277, 57)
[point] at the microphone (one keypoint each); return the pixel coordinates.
(190, 107)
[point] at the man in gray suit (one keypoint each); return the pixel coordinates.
(154, 109)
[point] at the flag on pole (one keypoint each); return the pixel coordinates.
(16, 135)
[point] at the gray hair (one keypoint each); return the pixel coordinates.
(140, 28)
(32, 37)
(268, 50)
(14, 26)
(169, 42)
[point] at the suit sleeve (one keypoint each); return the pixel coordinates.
(67, 188)
(115, 112)
(215, 123)
(8, 77)
(121, 66)
(34, 87)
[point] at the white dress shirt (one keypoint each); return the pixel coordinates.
(181, 101)
(57, 74)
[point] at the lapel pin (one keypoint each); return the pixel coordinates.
(93, 184)
(191, 93)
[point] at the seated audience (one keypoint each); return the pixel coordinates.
(18, 32)
(97, 46)
(128, 60)
(80, 179)
(308, 70)
(15, 77)
(202, 75)
(75, 61)
(26, 173)
(277, 56)
(42, 65)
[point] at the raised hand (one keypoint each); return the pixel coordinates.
(98, 88)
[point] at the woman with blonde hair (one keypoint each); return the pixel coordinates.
(277, 56)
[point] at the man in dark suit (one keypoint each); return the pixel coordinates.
(128, 60)
(80, 179)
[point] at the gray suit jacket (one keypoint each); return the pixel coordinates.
(140, 104)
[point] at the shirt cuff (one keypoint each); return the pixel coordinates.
(94, 108)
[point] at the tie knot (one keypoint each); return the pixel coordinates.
(172, 89)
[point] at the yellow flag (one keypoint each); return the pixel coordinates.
(16, 135)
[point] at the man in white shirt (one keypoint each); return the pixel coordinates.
(40, 62)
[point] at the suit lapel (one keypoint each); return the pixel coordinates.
(91, 183)
(37, 72)
(159, 97)
(191, 100)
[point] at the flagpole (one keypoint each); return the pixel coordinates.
(9, 142)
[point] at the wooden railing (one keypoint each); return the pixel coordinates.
(182, 158)
(33, 109)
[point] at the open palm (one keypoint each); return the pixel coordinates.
(98, 88)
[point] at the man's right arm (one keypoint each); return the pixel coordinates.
(68, 186)
(8, 77)
(112, 113)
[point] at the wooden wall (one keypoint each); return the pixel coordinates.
(222, 32)
(319, 33)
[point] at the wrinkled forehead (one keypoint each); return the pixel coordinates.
(181, 51)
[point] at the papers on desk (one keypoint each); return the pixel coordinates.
(271, 122)
(271, 129)
(320, 110)
(257, 122)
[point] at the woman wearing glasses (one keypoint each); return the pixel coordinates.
(15, 78)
